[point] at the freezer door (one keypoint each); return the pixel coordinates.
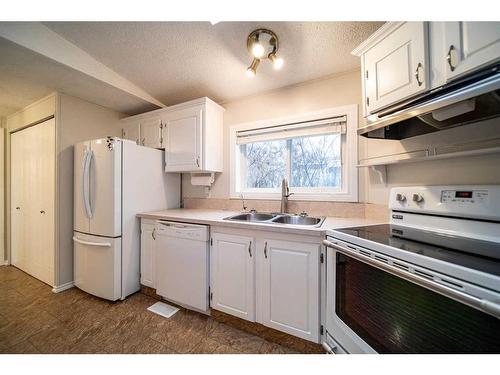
(81, 199)
(105, 187)
(97, 265)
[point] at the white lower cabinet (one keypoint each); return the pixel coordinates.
(148, 253)
(232, 274)
(263, 278)
(288, 287)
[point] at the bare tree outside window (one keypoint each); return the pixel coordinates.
(316, 161)
(310, 161)
(266, 163)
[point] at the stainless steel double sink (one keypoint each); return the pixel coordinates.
(271, 218)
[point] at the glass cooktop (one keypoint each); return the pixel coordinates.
(471, 253)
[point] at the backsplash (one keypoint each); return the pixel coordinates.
(332, 209)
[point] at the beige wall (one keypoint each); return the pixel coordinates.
(335, 91)
(345, 89)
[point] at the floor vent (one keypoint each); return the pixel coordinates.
(163, 309)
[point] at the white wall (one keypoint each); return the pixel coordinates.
(345, 89)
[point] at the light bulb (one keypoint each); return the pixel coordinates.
(250, 72)
(258, 50)
(277, 61)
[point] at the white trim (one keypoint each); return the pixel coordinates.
(63, 287)
(6, 262)
(349, 191)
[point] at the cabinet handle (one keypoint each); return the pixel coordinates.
(143, 141)
(451, 57)
(42, 211)
(417, 74)
(265, 250)
(250, 249)
(198, 161)
(18, 208)
(153, 234)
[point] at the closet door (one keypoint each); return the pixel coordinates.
(17, 200)
(33, 200)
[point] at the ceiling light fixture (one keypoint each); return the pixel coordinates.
(263, 44)
(252, 69)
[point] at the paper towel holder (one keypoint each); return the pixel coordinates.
(202, 179)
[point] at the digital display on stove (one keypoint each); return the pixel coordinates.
(463, 194)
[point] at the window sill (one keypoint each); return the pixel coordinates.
(315, 197)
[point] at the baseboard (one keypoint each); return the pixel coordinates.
(5, 262)
(63, 287)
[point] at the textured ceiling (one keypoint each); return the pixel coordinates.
(178, 61)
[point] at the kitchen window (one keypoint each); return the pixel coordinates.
(316, 152)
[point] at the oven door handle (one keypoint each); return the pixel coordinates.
(488, 307)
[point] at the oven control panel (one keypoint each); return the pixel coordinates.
(479, 202)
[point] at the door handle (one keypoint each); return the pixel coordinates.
(99, 244)
(417, 74)
(451, 57)
(265, 250)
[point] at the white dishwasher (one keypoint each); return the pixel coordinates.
(182, 264)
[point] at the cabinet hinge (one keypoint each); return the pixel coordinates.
(321, 330)
(367, 101)
(210, 294)
(366, 74)
(322, 258)
(211, 242)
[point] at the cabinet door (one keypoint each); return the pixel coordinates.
(151, 132)
(471, 45)
(288, 290)
(184, 139)
(396, 68)
(148, 255)
(232, 275)
(132, 131)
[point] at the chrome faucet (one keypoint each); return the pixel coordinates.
(285, 193)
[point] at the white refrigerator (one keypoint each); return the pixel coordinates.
(114, 180)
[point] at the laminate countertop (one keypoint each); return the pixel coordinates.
(216, 218)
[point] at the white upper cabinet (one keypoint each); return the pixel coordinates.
(288, 294)
(193, 133)
(132, 131)
(145, 130)
(184, 140)
(470, 46)
(395, 64)
(232, 273)
(151, 132)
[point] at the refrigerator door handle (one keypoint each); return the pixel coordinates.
(87, 202)
(100, 244)
(85, 182)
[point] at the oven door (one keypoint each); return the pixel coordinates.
(376, 303)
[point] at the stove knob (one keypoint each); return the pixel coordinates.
(400, 197)
(418, 198)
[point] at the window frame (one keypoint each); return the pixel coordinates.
(349, 190)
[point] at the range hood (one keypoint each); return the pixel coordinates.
(471, 99)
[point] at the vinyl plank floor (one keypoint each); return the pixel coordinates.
(35, 320)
